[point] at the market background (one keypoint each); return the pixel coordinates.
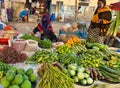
(57, 25)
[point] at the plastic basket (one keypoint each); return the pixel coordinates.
(4, 41)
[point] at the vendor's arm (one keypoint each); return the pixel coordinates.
(40, 28)
(50, 26)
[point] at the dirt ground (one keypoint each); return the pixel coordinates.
(28, 27)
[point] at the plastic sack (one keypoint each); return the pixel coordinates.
(31, 45)
(19, 44)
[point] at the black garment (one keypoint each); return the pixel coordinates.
(35, 30)
(47, 35)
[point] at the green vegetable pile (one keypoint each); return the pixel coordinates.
(43, 56)
(63, 49)
(110, 74)
(27, 36)
(52, 77)
(79, 74)
(68, 58)
(45, 43)
(91, 58)
(4, 67)
(18, 78)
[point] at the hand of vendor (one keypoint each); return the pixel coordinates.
(41, 32)
(99, 21)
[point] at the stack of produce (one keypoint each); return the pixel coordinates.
(52, 77)
(68, 58)
(45, 43)
(110, 74)
(63, 49)
(27, 37)
(95, 74)
(78, 74)
(18, 44)
(11, 55)
(72, 40)
(91, 58)
(18, 78)
(79, 48)
(42, 57)
(4, 67)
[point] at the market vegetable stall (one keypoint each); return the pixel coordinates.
(74, 62)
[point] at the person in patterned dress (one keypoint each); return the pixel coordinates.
(100, 22)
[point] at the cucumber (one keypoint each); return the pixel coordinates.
(110, 70)
(83, 47)
(79, 49)
(111, 77)
(74, 49)
(108, 77)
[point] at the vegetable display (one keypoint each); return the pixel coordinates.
(78, 74)
(10, 55)
(68, 58)
(72, 41)
(18, 78)
(27, 37)
(79, 48)
(95, 74)
(43, 56)
(4, 67)
(63, 49)
(45, 43)
(91, 58)
(110, 74)
(52, 77)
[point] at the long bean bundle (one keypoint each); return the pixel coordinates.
(52, 77)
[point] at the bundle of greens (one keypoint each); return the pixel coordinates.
(52, 77)
(113, 29)
(45, 43)
(27, 36)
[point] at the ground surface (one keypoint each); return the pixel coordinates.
(28, 27)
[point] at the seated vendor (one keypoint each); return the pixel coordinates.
(24, 15)
(44, 28)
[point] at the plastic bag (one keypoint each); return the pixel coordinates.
(31, 45)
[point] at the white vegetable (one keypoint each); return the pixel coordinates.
(72, 67)
(84, 82)
(80, 75)
(72, 72)
(86, 75)
(75, 78)
(89, 80)
(81, 69)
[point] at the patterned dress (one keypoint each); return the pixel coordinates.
(97, 31)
